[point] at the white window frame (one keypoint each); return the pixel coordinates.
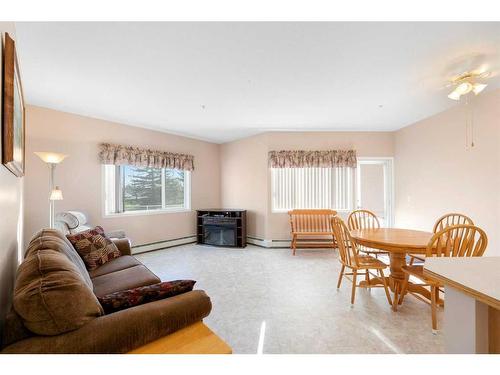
(109, 196)
(388, 165)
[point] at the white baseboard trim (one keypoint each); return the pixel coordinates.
(269, 244)
(272, 244)
(137, 249)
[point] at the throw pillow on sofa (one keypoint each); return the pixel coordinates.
(94, 247)
(133, 297)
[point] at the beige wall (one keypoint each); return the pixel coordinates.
(430, 165)
(435, 174)
(245, 181)
(80, 177)
(10, 223)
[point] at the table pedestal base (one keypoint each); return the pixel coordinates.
(396, 242)
(396, 279)
(395, 286)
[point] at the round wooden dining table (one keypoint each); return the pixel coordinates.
(398, 243)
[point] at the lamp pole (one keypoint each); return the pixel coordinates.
(52, 159)
(52, 167)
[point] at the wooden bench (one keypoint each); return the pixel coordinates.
(194, 339)
(311, 224)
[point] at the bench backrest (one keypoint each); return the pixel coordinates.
(311, 221)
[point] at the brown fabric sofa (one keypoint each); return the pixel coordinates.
(55, 306)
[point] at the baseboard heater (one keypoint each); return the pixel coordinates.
(277, 244)
(159, 245)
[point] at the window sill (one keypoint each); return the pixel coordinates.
(147, 213)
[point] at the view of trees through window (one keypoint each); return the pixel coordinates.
(151, 188)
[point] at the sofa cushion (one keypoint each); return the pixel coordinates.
(133, 297)
(55, 240)
(117, 264)
(14, 329)
(124, 279)
(94, 247)
(51, 296)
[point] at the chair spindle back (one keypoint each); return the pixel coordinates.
(311, 220)
(451, 219)
(362, 219)
(347, 247)
(458, 241)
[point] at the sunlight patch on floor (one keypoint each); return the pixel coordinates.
(387, 342)
(260, 347)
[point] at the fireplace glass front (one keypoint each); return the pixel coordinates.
(220, 234)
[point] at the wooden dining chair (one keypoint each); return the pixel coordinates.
(452, 241)
(358, 264)
(364, 219)
(443, 222)
(451, 219)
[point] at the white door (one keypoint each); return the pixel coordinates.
(374, 188)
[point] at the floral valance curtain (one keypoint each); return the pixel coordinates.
(312, 159)
(142, 157)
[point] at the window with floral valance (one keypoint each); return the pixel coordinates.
(144, 157)
(312, 159)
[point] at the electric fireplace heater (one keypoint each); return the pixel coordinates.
(219, 227)
(219, 231)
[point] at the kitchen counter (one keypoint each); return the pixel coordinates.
(472, 304)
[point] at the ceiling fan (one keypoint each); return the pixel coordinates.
(466, 83)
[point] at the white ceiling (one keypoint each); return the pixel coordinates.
(224, 81)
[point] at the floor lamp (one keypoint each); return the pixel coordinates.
(52, 159)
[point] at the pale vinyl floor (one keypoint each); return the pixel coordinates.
(290, 304)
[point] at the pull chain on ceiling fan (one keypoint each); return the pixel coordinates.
(464, 86)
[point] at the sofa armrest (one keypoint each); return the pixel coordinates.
(123, 244)
(124, 330)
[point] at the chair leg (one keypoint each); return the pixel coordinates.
(353, 293)
(294, 244)
(433, 308)
(340, 276)
(385, 287)
(367, 278)
(412, 259)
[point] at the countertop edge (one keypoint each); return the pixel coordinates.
(489, 300)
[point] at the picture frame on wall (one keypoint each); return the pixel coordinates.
(13, 114)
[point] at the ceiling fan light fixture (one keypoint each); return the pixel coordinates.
(478, 87)
(454, 95)
(464, 88)
(464, 85)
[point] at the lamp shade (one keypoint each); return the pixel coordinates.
(51, 157)
(56, 194)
